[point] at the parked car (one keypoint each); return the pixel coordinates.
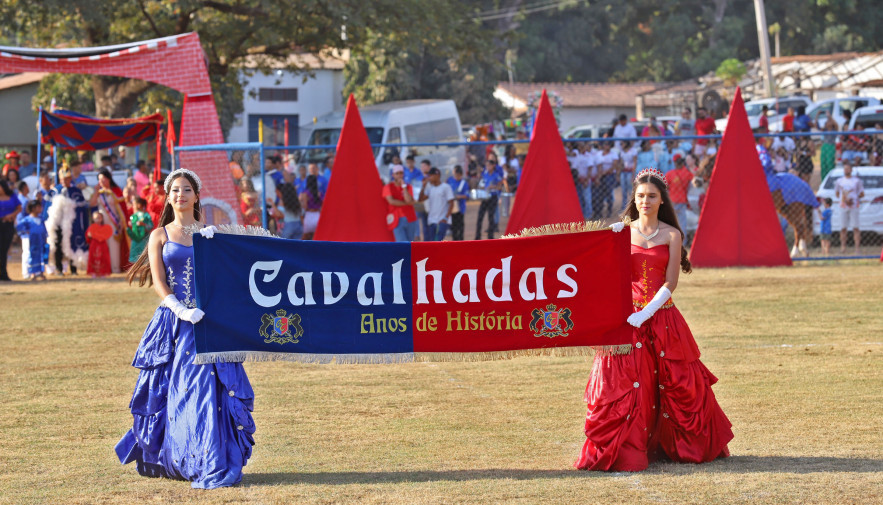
(586, 131)
(778, 107)
(870, 207)
(820, 111)
(866, 117)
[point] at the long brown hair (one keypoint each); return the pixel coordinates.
(141, 268)
(666, 213)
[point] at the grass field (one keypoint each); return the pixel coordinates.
(799, 354)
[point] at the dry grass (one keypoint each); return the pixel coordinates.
(798, 352)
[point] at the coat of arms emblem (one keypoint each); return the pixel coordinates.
(281, 326)
(551, 322)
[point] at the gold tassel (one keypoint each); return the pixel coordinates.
(428, 357)
(613, 350)
(562, 228)
(233, 229)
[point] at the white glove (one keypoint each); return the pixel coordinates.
(192, 315)
(638, 318)
(208, 231)
(181, 311)
(617, 227)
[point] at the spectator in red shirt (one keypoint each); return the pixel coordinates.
(401, 218)
(788, 121)
(679, 181)
(763, 125)
(704, 126)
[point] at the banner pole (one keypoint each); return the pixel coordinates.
(39, 140)
(263, 188)
(157, 170)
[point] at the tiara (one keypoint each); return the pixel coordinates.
(182, 171)
(652, 172)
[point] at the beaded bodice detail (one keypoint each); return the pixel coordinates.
(178, 260)
(648, 272)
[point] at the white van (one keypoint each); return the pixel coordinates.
(408, 121)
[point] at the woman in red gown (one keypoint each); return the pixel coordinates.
(654, 402)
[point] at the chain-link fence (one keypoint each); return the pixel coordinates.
(806, 175)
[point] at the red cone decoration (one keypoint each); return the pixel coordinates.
(546, 193)
(738, 225)
(354, 210)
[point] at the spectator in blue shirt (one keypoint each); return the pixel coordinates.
(825, 214)
(412, 173)
(274, 169)
(321, 181)
(646, 158)
(300, 182)
(327, 165)
(492, 181)
(26, 166)
(802, 123)
(419, 207)
(461, 192)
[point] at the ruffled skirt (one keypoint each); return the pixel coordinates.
(191, 422)
(655, 402)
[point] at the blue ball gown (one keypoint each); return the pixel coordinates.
(192, 422)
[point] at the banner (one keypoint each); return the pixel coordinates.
(71, 130)
(268, 298)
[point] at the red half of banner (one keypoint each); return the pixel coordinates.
(570, 290)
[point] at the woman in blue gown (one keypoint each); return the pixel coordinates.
(191, 422)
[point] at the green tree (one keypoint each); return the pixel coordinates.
(230, 30)
(446, 53)
(730, 71)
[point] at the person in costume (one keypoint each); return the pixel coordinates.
(98, 234)
(79, 248)
(191, 422)
(653, 400)
(32, 228)
(66, 224)
(108, 199)
(140, 226)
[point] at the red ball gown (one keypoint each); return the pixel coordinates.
(656, 401)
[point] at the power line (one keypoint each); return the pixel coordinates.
(529, 9)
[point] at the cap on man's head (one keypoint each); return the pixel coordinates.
(397, 168)
(434, 171)
(677, 157)
(12, 154)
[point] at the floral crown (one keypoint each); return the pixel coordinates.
(652, 172)
(182, 171)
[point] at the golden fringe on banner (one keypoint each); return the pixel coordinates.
(562, 228)
(405, 357)
(234, 229)
(427, 357)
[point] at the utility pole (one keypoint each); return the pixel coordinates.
(763, 40)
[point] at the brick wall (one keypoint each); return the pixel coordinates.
(177, 62)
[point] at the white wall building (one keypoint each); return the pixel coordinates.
(585, 103)
(284, 94)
